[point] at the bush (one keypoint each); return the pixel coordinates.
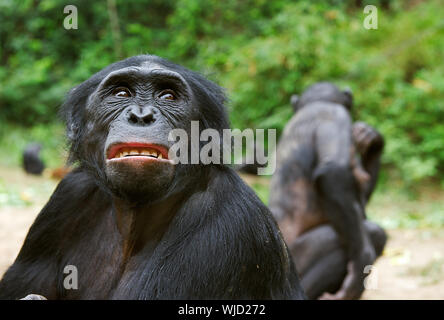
(261, 51)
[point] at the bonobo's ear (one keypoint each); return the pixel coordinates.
(72, 129)
(71, 111)
(294, 102)
(348, 98)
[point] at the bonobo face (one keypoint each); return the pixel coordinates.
(134, 109)
(118, 123)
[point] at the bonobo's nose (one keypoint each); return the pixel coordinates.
(140, 116)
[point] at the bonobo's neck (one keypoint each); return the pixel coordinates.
(144, 224)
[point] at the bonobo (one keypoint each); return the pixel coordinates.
(32, 163)
(135, 224)
(325, 173)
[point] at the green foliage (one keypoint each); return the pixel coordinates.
(10, 197)
(261, 51)
(20, 190)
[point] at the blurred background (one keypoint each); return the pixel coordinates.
(262, 52)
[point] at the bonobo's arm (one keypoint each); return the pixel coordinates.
(370, 144)
(36, 269)
(339, 198)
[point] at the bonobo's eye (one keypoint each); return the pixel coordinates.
(167, 95)
(122, 92)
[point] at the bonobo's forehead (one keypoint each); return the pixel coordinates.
(323, 91)
(151, 65)
(137, 64)
(144, 72)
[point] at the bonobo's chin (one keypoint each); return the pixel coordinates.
(139, 179)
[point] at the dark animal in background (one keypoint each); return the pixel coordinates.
(326, 171)
(137, 226)
(32, 163)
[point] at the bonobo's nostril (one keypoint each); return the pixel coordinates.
(133, 119)
(140, 116)
(148, 118)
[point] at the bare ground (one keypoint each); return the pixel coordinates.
(412, 266)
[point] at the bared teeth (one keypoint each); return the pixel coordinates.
(138, 152)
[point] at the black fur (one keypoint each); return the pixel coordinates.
(214, 239)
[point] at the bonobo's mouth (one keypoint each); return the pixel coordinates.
(138, 170)
(137, 151)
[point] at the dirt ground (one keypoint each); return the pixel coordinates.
(412, 266)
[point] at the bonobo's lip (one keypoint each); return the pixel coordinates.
(137, 151)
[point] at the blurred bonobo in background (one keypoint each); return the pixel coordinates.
(326, 170)
(32, 163)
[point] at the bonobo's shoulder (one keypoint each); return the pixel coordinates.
(227, 187)
(77, 175)
(77, 181)
(75, 188)
(73, 198)
(308, 118)
(226, 178)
